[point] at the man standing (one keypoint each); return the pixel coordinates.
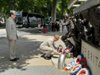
(12, 34)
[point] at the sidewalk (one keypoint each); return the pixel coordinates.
(30, 62)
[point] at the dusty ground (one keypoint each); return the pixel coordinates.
(26, 49)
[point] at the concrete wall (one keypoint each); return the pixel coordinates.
(93, 57)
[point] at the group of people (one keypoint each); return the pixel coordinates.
(63, 25)
(66, 25)
(12, 37)
(48, 47)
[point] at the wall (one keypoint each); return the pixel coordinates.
(93, 57)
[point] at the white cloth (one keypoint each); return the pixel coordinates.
(48, 46)
(65, 30)
(60, 28)
(72, 24)
(64, 27)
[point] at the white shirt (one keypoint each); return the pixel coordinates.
(49, 42)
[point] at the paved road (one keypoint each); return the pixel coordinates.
(30, 62)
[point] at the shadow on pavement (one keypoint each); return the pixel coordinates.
(25, 50)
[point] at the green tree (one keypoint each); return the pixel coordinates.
(44, 7)
(62, 8)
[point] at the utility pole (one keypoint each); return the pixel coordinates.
(53, 13)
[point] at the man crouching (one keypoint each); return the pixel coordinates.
(48, 47)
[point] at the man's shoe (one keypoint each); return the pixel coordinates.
(43, 55)
(15, 59)
(48, 56)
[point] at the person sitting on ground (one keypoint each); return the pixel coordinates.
(48, 47)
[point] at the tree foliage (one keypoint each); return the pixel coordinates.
(44, 7)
